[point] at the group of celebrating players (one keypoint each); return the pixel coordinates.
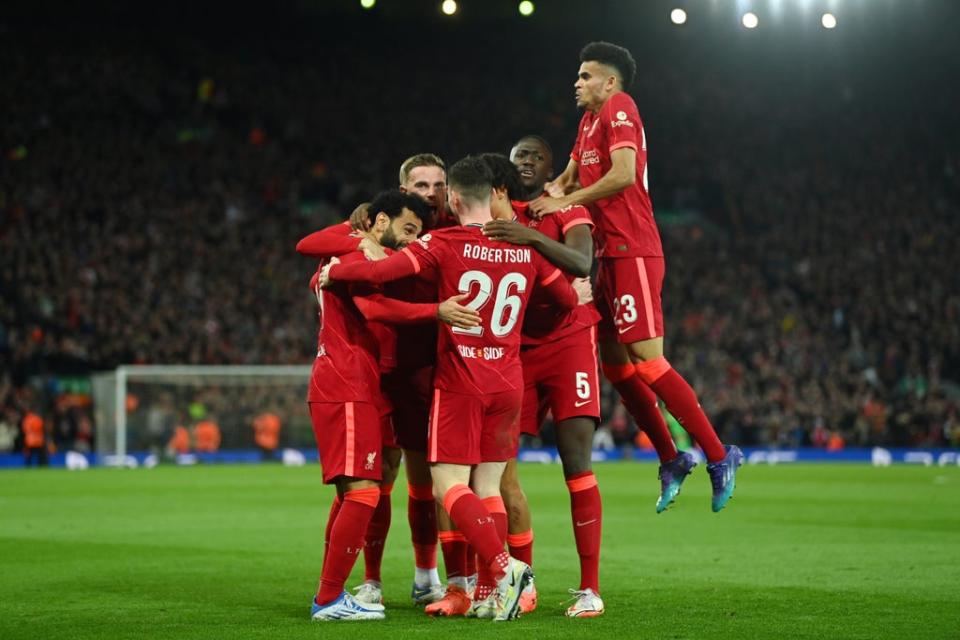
(455, 312)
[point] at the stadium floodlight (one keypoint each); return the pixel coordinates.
(829, 21)
(525, 8)
(750, 20)
(449, 7)
(678, 16)
(368, 4)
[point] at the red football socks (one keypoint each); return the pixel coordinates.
(331, 518)
(682, 402)
(587, 513)
(641, 402)
(521, 546)
(422, 515)
(376, 536)
(486, 580)
(346, 541)
(479, 526)
(454, 546)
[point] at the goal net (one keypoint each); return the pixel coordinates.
(168, 409)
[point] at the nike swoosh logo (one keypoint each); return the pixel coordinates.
(625, 329)
(583, 524)
(580, 404)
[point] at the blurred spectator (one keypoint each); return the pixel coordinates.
(206, 436)
(34, 440)
(266, 430)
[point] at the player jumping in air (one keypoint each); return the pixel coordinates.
(609, 160)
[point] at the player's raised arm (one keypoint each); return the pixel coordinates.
(622, 174)
(566, 182)
(574, 255)
(339, 240)
(329, 242)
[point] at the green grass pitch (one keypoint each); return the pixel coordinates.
(803, 551)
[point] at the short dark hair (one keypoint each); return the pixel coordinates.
(419, 160)
(540, 139)
(393, 201)
(614, 56)
(505, 174)
(471, 178)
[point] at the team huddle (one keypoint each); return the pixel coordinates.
(455, 313)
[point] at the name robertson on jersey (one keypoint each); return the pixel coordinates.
(489, 254)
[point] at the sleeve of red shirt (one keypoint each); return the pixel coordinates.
(334, 241)
(551, 279)
(399, 265)
(572, 216)
(380, 308)
(621, 120)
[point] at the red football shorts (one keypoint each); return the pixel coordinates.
(348, 439)
(409, 392)
(560, 376)
(470, 429)
(628, 298)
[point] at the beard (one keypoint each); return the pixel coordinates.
(388, 239)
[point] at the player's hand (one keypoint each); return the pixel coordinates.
(584, 290)
(545, 205)
(453, 313)
(360, 218)
(371, 248)
(554, 189)
(324, 280)
(509, 231)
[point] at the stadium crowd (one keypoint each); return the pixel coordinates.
(152, 190)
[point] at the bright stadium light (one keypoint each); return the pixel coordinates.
(368, 4)
(525, 8)
(750, 20)
(678, 16)
(449, 7)
(829, 21)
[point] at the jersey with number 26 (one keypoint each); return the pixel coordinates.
(498, 278)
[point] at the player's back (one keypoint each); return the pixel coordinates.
(347, 365)
(498, 278)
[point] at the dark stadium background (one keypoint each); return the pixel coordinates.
(806, 183)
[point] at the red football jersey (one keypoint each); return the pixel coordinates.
(500, 278)
(625, 224)
(545, 321)
(347, 367)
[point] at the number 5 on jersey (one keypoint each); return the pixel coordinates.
(506, 303)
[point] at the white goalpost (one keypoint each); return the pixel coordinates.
(138, 408)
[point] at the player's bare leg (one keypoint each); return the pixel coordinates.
(519, 528)
(359, 498)
(371, 591)
(422, 516)
(681, 401)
